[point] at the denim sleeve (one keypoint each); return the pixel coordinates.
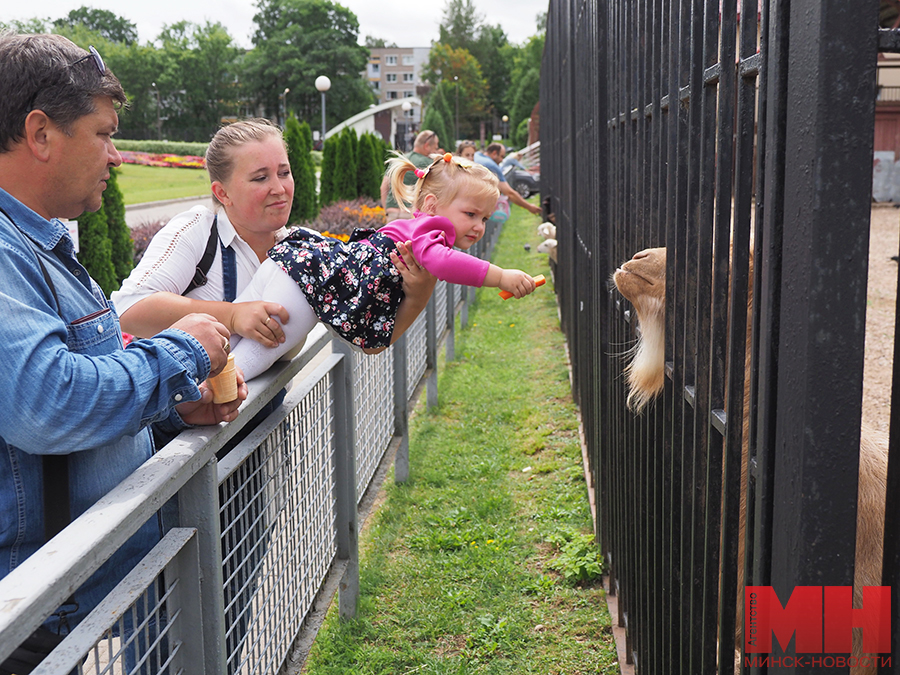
(70, 384)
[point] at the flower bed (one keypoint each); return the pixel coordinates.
(151, 159)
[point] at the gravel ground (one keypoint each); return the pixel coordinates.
(882, 293)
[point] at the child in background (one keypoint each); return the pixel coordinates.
(355, 289)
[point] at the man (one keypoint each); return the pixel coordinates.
(491, 157)
(425, 145)
(71, 387)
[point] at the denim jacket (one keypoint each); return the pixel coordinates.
(71, 388)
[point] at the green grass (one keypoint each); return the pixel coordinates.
(141, 184)
(478, 563)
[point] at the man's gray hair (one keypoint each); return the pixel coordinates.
(42, 72)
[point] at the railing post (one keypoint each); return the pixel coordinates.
(345, 481)
(187, 603)
(431, 350)
(451, 322)
(198, 507)
(401, 411)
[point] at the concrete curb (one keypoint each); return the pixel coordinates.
(163, 202)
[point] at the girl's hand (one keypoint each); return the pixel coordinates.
(517, 282)
(255, 320)
(418, 283)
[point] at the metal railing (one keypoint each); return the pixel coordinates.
(721, 131)
(264, 537)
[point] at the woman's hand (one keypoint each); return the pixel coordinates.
(203, 411)
(418, 283)
(255, 320)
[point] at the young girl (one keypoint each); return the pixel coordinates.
(355, 289)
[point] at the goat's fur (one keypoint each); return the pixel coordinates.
(547, 230)
(642, 280)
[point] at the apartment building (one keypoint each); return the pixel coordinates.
(396, 73)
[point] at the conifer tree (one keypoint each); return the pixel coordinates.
(303, 208)
(369, 171)
(326, 174)
(122, 247)
(434, 121)
(95, 249)
(310, 207)
(345, 167)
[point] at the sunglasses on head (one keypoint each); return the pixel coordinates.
(95, 56)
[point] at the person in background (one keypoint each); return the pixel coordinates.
(425, 145)
(78, 392)
(491, 157)
(466, 149)
(512, 159)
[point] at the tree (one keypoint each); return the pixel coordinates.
(299, 141)
(378, 43)
(295, 42)
(434, 120)
(197, 82)
(442, 100)
(369, 169)
(458, 68)
(101, 21)
(345, 166)
(95, 249)
(121, 245)
(326, 173)
(525, 76)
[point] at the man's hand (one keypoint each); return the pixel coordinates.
(203, 411)
(211, 334)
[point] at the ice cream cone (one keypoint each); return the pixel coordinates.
(224, 385)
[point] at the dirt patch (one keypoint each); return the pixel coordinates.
(882, 293)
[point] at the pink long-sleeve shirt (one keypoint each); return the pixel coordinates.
(432, 240)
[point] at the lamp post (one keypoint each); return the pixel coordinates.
(323, 84)
(158, 106)
(456, 121)
(406, 106)
(505, 129)
(283, 97)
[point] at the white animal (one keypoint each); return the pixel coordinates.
(547, 230)
(548, 246)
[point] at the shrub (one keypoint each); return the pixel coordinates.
(342, 217)
(326, 176)
(162, 147)
(119, 234)
(369, 170)
(95, 249)
(141, 236)
(299, 141)
(345, 166)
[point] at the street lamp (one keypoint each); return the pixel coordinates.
(406, 106)
(323, 84)
(505, 129)
(283, 98)
(456, 122)
(158, 106)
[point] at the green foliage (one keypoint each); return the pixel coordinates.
(579, 559)
(462, 75)
(95, 249)
(326, 174)
(442, 101)
(295, 42)
(299, 141)
(520, 136)
(111, 26)
(434, 121)
(162, 147)
(524, 88)
(122, 247)
(345, 166)
(370, 169)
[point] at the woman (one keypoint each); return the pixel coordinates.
(466, 149)
(253, 189)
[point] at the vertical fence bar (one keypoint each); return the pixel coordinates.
(198, 507)
(401, 410)
(347, 536)
(431, 352)
(186, 603)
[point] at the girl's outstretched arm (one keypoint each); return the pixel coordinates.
(418, 285)
(517, 282)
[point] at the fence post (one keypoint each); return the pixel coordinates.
(451, 322)
(401, 411)
(345, 481)
(198, 506)
(187, 603)
(431, 350)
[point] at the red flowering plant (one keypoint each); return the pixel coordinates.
(151, 159)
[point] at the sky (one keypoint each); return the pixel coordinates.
(408, 23)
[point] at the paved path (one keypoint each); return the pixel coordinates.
(136, 214)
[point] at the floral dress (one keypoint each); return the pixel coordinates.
(352, 287)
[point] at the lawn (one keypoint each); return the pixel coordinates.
(483, 561)
(141, 184)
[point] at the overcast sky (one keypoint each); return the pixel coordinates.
(409, 23)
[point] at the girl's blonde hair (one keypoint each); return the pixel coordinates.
(445, 178)
(220, 151)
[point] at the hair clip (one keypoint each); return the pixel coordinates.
(421, 173)
(448, 157)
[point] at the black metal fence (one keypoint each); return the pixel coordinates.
(724, 131)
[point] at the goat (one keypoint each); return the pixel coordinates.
(642, 280)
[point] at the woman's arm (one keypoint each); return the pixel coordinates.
(160, 310)
(418, 285)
